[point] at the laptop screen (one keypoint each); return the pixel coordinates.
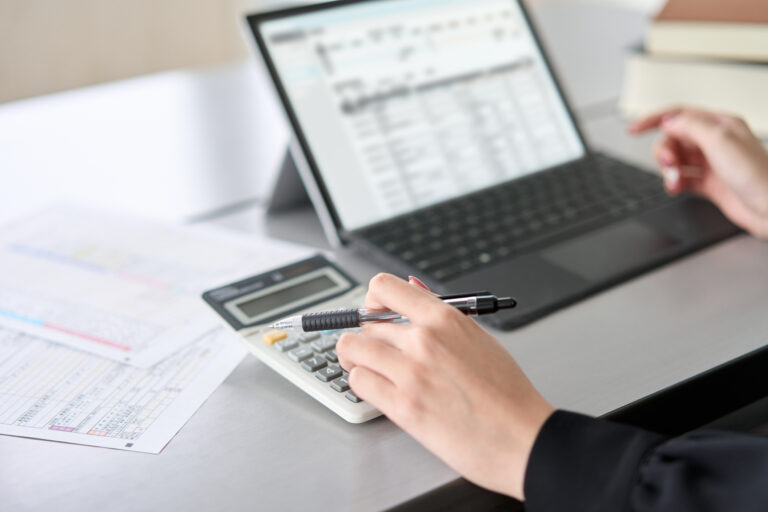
(407, 103)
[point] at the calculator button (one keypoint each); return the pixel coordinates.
(309, 336)
(329, 373)
(324, 344)
(332, 356)
(340, 385)
(314, 363)
(352, 397)
(300, 354)
(273, 337)
(286, 345)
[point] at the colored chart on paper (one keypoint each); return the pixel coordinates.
(117, 287)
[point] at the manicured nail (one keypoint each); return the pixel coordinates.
(671, 176)
(415, 280)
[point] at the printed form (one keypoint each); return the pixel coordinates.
(49, 391)
(104, 338)
(125, 289)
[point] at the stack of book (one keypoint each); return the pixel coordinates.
(707, 53)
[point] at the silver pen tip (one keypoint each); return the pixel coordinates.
(287, 324)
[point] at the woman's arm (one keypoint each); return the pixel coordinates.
(580, 463)
(457, 391)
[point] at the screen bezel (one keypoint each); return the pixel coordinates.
(255, 20)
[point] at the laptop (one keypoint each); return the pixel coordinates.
(432, 135)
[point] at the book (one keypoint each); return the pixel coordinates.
(732, 29)
(653, 83)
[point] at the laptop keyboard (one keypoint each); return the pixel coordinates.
(481, 229)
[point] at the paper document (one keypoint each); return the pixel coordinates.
(49, 391)
(118, 287)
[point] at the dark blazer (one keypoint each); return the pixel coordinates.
(585, 464)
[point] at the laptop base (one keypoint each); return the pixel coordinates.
(559, 273)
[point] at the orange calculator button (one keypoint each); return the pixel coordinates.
(273, 337)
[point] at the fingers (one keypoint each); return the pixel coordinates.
(386, 291)
(681, 162)
(668, 155)
(653, 121)
(672, 180)
(397, 335)
(668, 152)
(375, 354)
(700, 128)
(373, 388)
(666, 116)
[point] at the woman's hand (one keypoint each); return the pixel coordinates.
(716, 156)
(448, 383)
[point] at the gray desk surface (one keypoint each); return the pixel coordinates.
(260, 444)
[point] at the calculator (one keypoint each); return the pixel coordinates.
(308, 360)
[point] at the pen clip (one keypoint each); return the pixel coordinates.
(464, 295)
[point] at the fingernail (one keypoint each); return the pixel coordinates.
(415, 280)
(671, 175)
(666, 161)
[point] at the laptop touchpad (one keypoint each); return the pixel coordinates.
(609, 251)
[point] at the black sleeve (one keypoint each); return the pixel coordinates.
(587, 464)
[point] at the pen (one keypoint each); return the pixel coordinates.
(474, 304)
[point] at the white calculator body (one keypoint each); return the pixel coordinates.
(308, 360)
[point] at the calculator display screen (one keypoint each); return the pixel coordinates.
(259, 305)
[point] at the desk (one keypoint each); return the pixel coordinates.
(261, 444)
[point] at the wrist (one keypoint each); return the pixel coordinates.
(755, 204)
(761, 201)
(761, 213)
(528, 430)
(762, 187)
(763, 233)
